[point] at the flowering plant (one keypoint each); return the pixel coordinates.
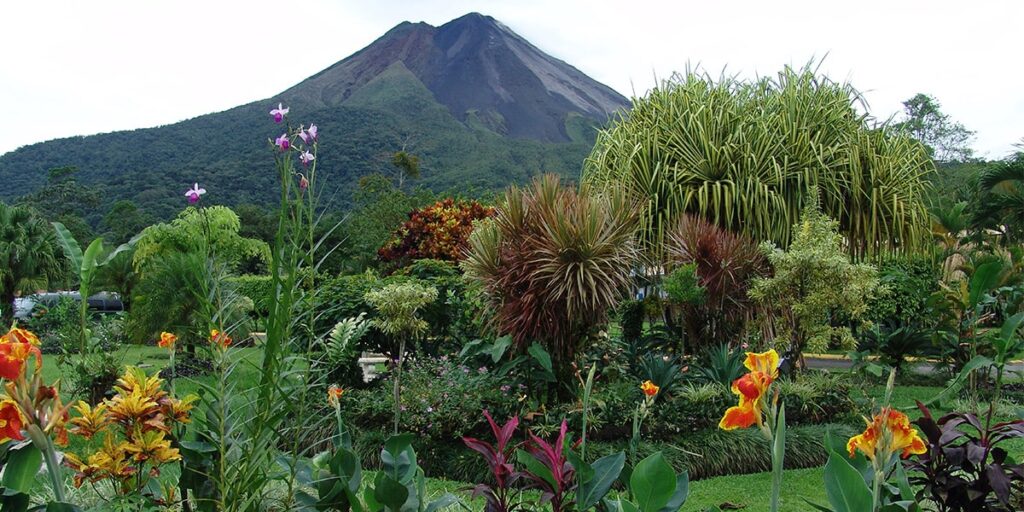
(755, 408)
(137, 426)
(29, 409)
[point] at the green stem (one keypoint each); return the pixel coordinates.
(398, 384)
(52, 467)
(876, 489)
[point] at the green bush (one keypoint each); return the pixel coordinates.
(907, 285)
(441, 401)
(631, 319)
(257, 289)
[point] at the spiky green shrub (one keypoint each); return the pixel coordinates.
(743, 155)
(553, 261)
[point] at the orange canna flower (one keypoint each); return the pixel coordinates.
(16, 335)
(649, 388)
(13, 357)
(334, 394)
(220, 339)
(903, 439)
(751, 390)
(167, 340)
(11, 421)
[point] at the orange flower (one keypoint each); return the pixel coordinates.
(13, 357)
(649, 388)
(902, 438)
(11, 421)
(220, 338)
(751, 390)
(334, 394)
(167, 340)
(16, 335)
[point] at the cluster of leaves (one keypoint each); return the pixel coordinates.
(965, 468)
(439, 231)
(724, 265)
(740, 153)
(553, 261)
(30, 257)
(813, 281)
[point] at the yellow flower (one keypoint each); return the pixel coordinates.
(751, 390)
(89, 420)
(334, 395)
(649, 388)
(167, 340)
(888, 425)
(16, 335)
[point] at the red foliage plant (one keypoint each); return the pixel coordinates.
(439, 231)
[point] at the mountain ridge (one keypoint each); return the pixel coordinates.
(480, 106)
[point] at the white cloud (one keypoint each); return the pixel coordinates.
(85, 67)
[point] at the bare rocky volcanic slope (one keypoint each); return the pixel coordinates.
(482, 108)
(478, 68)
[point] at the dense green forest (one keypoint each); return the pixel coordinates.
(152, 167)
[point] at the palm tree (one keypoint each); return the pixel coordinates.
(744, 154)
(30, 257)
(1002, 200)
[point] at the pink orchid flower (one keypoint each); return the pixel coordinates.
(194, 193)
(303, 135)
(279, 113)
(306, 157)
(303, 183)
(311, 132)
(283, 142)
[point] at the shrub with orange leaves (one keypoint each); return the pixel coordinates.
(137, 425)
(439, 231)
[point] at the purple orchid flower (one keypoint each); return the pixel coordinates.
(306, 157)
(311, 132)
(303, 135)
(283, 142)
(279, 113)
(194, 193)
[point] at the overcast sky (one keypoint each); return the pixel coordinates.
(74, 67)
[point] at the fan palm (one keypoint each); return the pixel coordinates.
(744, 155)
(30, 257)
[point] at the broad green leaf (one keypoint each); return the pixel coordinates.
(535, 467)
(845, 487)
(17, 502)
(446, 500)
(542, 357)
(653, 482)
(90, 261)
(605, 471)
(398, 458)
(389, 492)
(67, 242)
(21, 468)
(679, 496)
(984, 279)
(1010, 326)
(499, 347)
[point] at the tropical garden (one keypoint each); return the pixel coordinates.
(755, 296)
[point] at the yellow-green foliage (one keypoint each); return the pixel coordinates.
(743, 154)
(193, 229)
(814, 283)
